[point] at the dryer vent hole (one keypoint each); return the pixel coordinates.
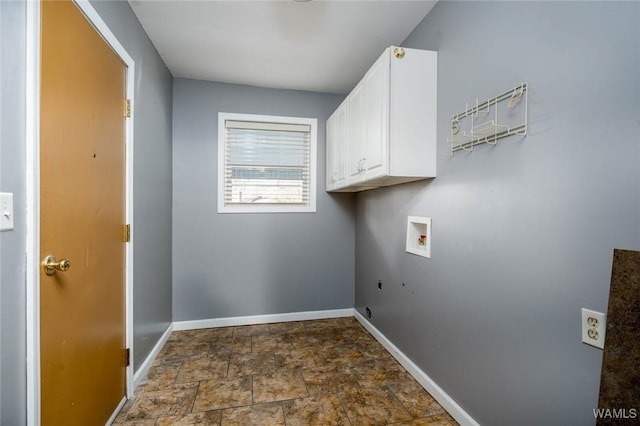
(368, 312)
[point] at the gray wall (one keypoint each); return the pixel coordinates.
(152, 179)
(12, 243)
(228, 265)
(523, 232)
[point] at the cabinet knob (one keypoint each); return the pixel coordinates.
(398, 52)
(361, 164)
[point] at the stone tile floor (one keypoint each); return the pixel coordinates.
(322, 372)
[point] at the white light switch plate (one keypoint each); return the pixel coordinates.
(6, 211)
(594, 325)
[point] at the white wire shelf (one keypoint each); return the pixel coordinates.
(492, 130)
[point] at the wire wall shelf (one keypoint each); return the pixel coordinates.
(481, 124)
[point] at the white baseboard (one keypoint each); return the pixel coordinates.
(116, 411)
(261, 319)
(144, 367)
(448, 403)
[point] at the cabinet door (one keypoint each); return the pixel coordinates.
(337, 142)
(376, 89)
(331, 141)
(357, 134)
(341, 145)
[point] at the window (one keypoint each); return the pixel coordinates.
(266, 164)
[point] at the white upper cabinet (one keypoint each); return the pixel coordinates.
(356, 133)
(384, 133)
(342, 134)
(337, 152)
(376, 93)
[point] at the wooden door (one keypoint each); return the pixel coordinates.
(82, 211)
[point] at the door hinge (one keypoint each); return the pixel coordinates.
(127, 357)
(127, 108)
(126, 233)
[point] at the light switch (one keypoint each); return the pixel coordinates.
(6, 211)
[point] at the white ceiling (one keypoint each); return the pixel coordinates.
(321, 45)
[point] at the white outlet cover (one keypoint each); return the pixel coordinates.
(594, 326)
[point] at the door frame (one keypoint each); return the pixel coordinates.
(33, 197)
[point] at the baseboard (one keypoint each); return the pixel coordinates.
(144, 367)
(261, 319)
(448, 403)
(116, 411)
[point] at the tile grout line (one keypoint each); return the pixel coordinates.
(284, 416)
(195, 397)
(346, 413)
(226, 376)
(393, 393)
(252, 391)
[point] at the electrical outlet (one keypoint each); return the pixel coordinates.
(593, 328)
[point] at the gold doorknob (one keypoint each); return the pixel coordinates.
(50, 265)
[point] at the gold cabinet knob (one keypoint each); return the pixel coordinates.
(398, 52)
(50, 265)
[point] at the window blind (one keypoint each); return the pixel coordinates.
(266, 163)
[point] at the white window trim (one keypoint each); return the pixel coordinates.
(268, 208)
